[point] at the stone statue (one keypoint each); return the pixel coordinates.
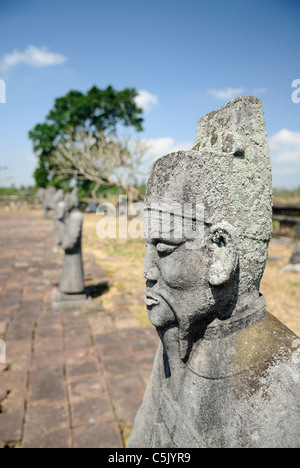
(294, 265)
(59, 220)
(295, 260)
(49, 201)
(40, 195)
(226, 373)
(72, 289)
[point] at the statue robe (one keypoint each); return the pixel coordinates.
(238, 390)
(59, 223)
(72, 281)
(296, 255)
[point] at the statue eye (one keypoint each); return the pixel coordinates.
(166, 248)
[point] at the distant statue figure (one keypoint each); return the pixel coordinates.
(295, 260)
(226, 373)
(294, 265)
(59, 220)
(40, 195)
(72, 290)
(49, 202)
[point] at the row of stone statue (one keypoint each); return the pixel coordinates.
(68, 221)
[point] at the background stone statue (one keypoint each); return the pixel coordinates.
(49, 201)
(59, 220)
(294, 265)
(72, 288)
(295, 260)
(40, 195)
(226, 373)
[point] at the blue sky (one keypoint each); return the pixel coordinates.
(185, 57)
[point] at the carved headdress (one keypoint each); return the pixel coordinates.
(229, 172)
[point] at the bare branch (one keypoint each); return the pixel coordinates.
(105, 161)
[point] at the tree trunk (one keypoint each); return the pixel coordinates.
(94, 191)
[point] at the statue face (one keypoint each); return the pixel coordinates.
(178, 289)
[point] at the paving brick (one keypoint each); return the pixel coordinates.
(119, 366)
(48, 359)
(79, 355)
(11, 424)
(141, 342)
(91, 410)
(98, 436)
(49, 344)
(19, 330)
(14, 382)
(47, 384)
(19, 353)
(50, 327)
(90, 386)
(46, 418)
(127, 392)
(75, 324)
(90, 366)
(112, 345)
(77, 339)
(58, 439)
(101, 323)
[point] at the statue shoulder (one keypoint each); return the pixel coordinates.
(76, 218)
(267, 341)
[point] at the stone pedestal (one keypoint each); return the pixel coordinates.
(65, 301)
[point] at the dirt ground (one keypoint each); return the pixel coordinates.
(282, 290)
(123, 261)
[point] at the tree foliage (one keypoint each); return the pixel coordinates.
(96, 113)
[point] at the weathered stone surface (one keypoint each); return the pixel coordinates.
(294, 266)
(296, 255)
(59, 219)
(226, 373)
(49, 201)
(71, 290)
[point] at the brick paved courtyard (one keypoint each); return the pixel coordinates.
(73, 378)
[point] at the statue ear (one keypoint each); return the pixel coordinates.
(224, 254)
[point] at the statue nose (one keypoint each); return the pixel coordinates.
(151, 271)
(151, 274)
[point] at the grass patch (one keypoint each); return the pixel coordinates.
(140, 313)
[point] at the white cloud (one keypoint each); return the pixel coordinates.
(285, 170)
(285, 145)
(231, 93)
(283, 138)
(33, 56)
(165, 145)
(259, 91)
(228, 93)
(146, 100)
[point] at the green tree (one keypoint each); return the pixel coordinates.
(98, 112)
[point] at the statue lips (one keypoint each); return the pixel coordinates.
(160, 312)
(150, 299)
